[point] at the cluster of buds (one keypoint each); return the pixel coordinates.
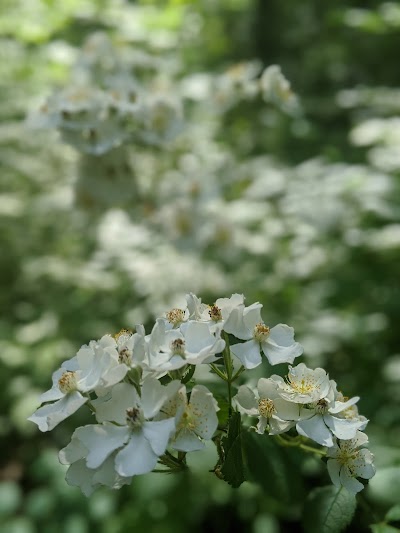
(150, 412)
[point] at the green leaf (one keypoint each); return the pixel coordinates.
(393, 515)
(274, 468)
(188, 374)
(232, 468)
(383, 528)
(328, 510)
(223, 413)
(384, 487)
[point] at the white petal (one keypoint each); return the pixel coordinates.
(267, 388)
(74, 451)
(252, 316)
(101, 441)
(288, 410)
(158, 434)
(71, 364)
(278, 426)
(248, 353)
(113, 408)
(363, 465)
(204, 408)
(137, 457)
(342, 428)
(54, 393)
(349, 482)
(50, 415)
(107, 475)
(341, 406)
(114, 375)
(79, 475)
(262, 424)
(235, 325)
(334, 471)
(246, 401)
(197, 336)
(154, 395)
(314, 428)
(280, 346)
(187, 441)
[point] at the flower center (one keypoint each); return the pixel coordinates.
(176, 316)
(125, 354)
(178, 347)
(347, 454)
(67, 382)
(266, 407)
(187, 421)
(134, 417)
(261, 332)
(215, 313)
(321, 407)
(305, 385)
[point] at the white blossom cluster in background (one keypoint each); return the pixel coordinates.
(149, 410)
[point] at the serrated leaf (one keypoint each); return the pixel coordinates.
(232, 468)
(223, 413)
(187, 376)
(273, 467)
(328, 510)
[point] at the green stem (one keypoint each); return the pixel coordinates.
(90, 405)
(218, 372)
(295, 442)
(226, 354)
(240, 371)
(172, 462)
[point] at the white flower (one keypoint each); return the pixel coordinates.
(274, 414)
(348, 460)
(195, 307)
(225, 312)
(196, 420)
(127, 427)
(276, 88)
(99, 365)
(131, 347)
(193, 343)
(303, 385)
(277, 343)
(95, 367)
(323, 421)
(175, 317)
(88, 479)
(350, 411)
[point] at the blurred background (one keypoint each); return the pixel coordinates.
(145, 153)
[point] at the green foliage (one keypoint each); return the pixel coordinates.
(328, 510)
(276, 469)
(232, 468)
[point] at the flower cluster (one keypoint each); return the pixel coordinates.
(309, 401)
(150, 411)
